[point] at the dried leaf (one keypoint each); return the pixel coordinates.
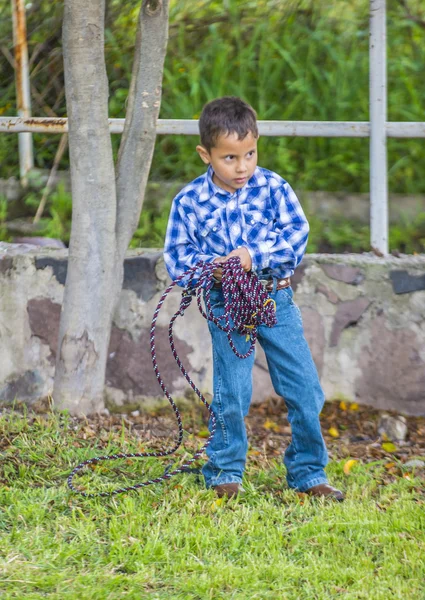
(333, 431)
(390, 465)
(88, 433)
(349, 465)
(215, 505)
(354, 406)
(389, 447)
(343, 405)
(254, 453)
(271, 425)
(204, 433)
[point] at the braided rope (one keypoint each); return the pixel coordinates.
(246, 304)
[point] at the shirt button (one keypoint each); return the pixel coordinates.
(214, 228)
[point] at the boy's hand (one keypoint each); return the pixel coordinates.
(218, 273)
(244, 256)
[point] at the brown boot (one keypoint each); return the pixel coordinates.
(324, 490)
(228, 489)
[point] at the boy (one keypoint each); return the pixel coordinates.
(239, 209)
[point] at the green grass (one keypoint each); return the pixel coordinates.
(177, 540)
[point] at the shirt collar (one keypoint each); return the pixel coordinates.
(210, 189)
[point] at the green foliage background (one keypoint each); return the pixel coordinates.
(293, 60)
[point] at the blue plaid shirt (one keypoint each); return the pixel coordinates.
(265, 216)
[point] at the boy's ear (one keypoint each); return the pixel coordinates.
(204, 154)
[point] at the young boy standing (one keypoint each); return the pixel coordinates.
(239, 209)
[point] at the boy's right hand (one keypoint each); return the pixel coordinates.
(218, 273)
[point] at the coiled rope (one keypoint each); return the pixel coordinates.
(246, 306)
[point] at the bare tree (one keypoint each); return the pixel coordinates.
(106, 203)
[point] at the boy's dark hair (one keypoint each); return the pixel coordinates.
(224, 116)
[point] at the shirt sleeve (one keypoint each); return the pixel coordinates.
(180, 249)
(287, 240)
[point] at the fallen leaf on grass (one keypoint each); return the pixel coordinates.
(204, 433)
(88, 432)
(390, 465)
(268, 424)
(349, 465)
(333, 431)
(215, 505)
(389, 447)
(254, 453)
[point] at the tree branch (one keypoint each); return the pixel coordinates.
(144, 98)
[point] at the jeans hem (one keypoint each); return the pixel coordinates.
(220, 480)
(302, 487)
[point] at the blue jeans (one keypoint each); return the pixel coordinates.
(294, 376)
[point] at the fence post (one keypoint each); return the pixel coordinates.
(22, 78)
(378, 123)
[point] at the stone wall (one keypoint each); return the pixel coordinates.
(364, 318)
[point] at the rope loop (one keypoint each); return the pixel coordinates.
(246, 307)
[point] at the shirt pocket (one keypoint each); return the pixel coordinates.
(212, 235)
(257, 224)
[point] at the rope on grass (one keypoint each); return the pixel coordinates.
(246, 306)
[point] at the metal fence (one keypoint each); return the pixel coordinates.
(377, 129)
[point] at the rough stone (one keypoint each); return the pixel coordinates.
(392, 427)
(298, 275)
(15, 249)
(58, 265)
(129, 366)
(114, 397)
(314, 332)
(392, 370)
(27, 386)
(5, 264)
(139, 275)
(348, 313)
(40, 242)
(404, 283)
(330, 295)
(344, 273)
(44, 317)
(415, 463)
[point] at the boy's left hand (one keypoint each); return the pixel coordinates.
(244, 256)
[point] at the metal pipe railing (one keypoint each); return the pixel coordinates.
(22, 78)
(356, 129)
(378, 132)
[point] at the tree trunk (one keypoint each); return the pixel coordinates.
(105, 213)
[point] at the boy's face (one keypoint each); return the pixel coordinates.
(233, 160)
